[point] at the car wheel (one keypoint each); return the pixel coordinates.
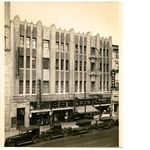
(47, 137)
(100, 128)
(89, 130)
(12, 144)
(65, 134)
(35, 140)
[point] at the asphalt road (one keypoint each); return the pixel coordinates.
(104, 138)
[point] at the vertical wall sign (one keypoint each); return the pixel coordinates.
(39, 94)
(113, 78)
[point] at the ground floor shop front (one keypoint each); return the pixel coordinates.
(25, 113)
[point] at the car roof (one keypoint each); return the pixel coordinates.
(83, 121)
(55, 125)
(106, 118)
(29, 128)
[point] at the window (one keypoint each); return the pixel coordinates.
(62, 64)
(92, 51)
(108, 53)
(67, 47)
(67, 64)
(33, 87)
(100, 85)
(45, 63)
(80, 65)
(100, 67)
(27, 42)
(76, 65)
(67, 87)
(104, 86)
(104, 68)
(62, 86)
(92, 86)
(80, 49)
(84, 86)
(27, 62)
(107, 86)
(45, 44)
(76, 86)
(62, 47)
(27, 87)
(104, 52)
(21, 61)
(84, 49)
(84, 66)
(92, 67)
(100, 77)
(107, 67)
(33, 63)
(57, 46)
(80, 86)
(76, 48)
(45, 86)
(57, 64)
(20, 87)
(57, 87)
(100, 52)
(21, 41)
(33, 43)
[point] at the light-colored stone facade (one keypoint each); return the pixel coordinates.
(15, 100)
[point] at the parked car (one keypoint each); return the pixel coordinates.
(26, 135)
(103, 123)
(55, 131)
(83, 125)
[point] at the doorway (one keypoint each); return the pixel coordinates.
(20, 117)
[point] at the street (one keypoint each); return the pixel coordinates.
(104, 138)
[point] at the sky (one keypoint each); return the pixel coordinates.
(103, 18)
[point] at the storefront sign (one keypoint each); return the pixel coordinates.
(54, 104)
(39, 94)
(70, 103)
(62, 104)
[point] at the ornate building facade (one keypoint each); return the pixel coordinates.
(49, 70)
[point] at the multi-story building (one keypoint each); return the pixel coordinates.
(115, 93)
(48, 71)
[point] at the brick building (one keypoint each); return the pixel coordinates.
(48, 71)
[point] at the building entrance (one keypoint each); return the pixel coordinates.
(20, 117)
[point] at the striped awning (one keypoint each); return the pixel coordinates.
(89, 109)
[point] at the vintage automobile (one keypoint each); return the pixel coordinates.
(26, 135)
(102, 123)
(55, 131)
(83, 125)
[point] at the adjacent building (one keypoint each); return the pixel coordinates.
(50, 72)
(115, 93)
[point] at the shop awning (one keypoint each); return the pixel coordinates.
(65, 108)
(41, 110)
(89, 109)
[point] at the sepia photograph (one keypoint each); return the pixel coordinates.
(62, 76)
